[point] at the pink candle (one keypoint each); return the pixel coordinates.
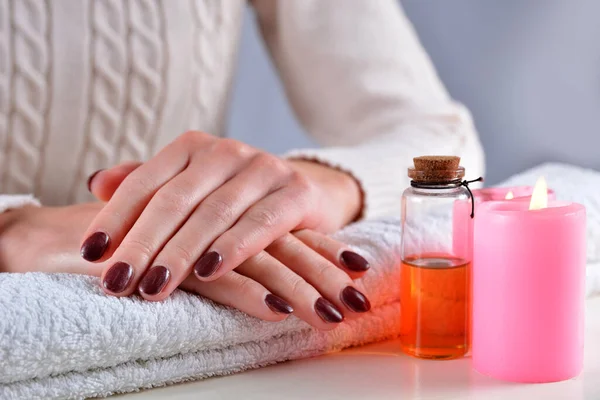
(501, 193)
(463, 240)
(528, 291)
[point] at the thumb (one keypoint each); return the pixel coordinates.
(104, 183)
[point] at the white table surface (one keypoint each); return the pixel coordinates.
(381, 371)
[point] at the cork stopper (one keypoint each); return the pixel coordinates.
(436, 169)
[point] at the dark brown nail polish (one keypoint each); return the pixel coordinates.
(117, 278)
(355, 300)
(278, 305)
(354, 261)
(91, 178)
(94, 247)
(155, 280)
(327, 311)
(208, 264)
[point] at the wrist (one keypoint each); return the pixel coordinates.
(45, 239)
(9, 232)
(341, 191)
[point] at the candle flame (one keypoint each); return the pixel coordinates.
(509, 196)
(539, 198)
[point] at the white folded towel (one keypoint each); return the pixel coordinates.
(61, 337)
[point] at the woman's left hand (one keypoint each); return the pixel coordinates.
(241, 198)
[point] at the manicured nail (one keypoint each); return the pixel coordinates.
(91, 178)
(355, 300)
(327, 311)
(208, 264)
(117, 278)
(94, 247)
(155, 280)
(354, 261)
(278, 305)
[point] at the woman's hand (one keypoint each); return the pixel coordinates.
(208, 204)
(46, 239)
(307, 273)
(301, 273)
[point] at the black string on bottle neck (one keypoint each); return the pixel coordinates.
(445, 185)
(466, 183)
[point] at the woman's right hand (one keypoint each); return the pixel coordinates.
(307, 273)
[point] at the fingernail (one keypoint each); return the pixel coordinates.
(91, 178)
(354, 261)
(208, 264)
(327, 311)
(355, 300)
(278, 305)
(155, 280)
(94, 247)
(117, 278)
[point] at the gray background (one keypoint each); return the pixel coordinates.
(528, 70)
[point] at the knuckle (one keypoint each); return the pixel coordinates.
(192, 138)
(221, 210)
(301, 182)
(273, 164)
(245, 288)
(264, 217)
(237, 247)
(232, 148)
(297, 286)
(119, 216)
(137, 183)
(283, 242)
(322, 272)
(286, 244)
(175, 201)
(321, 244)
(304, 189)
(182, 254)
(142, 246)
(327, 272)
(259, 260)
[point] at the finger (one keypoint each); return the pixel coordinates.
(336, 252)
(111, 224)
(267, 220)
(166, 212)
(243, 293)
(332, 282)
(215, 214)
(307, 302)
(103, 184)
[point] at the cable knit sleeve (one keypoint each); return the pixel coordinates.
(362, 85)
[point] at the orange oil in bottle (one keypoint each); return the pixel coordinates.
(435, 309)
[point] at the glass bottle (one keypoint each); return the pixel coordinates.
(436, 265)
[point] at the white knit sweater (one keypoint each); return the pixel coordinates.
(87, 84)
